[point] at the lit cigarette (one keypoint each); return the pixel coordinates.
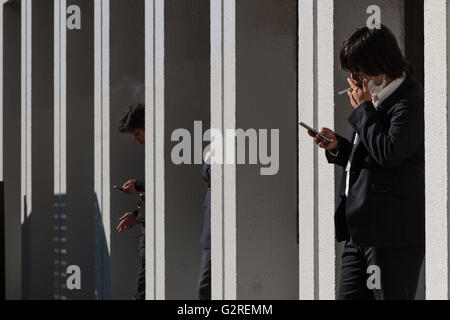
(344, 91)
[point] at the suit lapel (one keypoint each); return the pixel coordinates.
(384, 107)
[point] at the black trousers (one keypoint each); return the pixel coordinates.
(140, 280)
(204, 281)
(397, 269)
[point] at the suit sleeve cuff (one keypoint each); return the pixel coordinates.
(334, 153)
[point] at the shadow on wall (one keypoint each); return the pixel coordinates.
(101, 258)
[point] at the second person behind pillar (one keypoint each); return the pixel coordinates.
(204, 281)
(133, 122)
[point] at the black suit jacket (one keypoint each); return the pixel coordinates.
(205, 236)
(385, 206)
(140, 210)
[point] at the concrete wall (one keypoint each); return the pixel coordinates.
(187, 99)
(11, 146)
(40, 254)
(266, 98)
(80, 149)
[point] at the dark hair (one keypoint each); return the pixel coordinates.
(133, 119)
(373, 52)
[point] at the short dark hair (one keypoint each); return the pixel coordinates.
(133, 119)
(374, 52)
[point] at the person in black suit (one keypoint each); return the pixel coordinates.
(380, 210)
(133, 122)
(204, 281)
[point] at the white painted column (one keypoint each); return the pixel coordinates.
(326, 174)
(102, 185)
(307, 164)
(223, 117)
(229, 173)
(26, 109)
(317, 254)
(217, 254)
(154, 150)
(436, 149)
(60, 92)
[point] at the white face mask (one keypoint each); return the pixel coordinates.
(374, 89)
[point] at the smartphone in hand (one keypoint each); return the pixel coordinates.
(118, 188)
(304, 125)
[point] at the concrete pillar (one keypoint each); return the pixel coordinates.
(223, 116)
(12, 158)
(436, 149)
(306, 157)
(326, 178)
(316, 177)
(102, 185)
(154, 150)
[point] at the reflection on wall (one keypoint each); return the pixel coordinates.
(102, 257)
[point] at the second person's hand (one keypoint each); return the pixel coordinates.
(127, 222)
(128, 187)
